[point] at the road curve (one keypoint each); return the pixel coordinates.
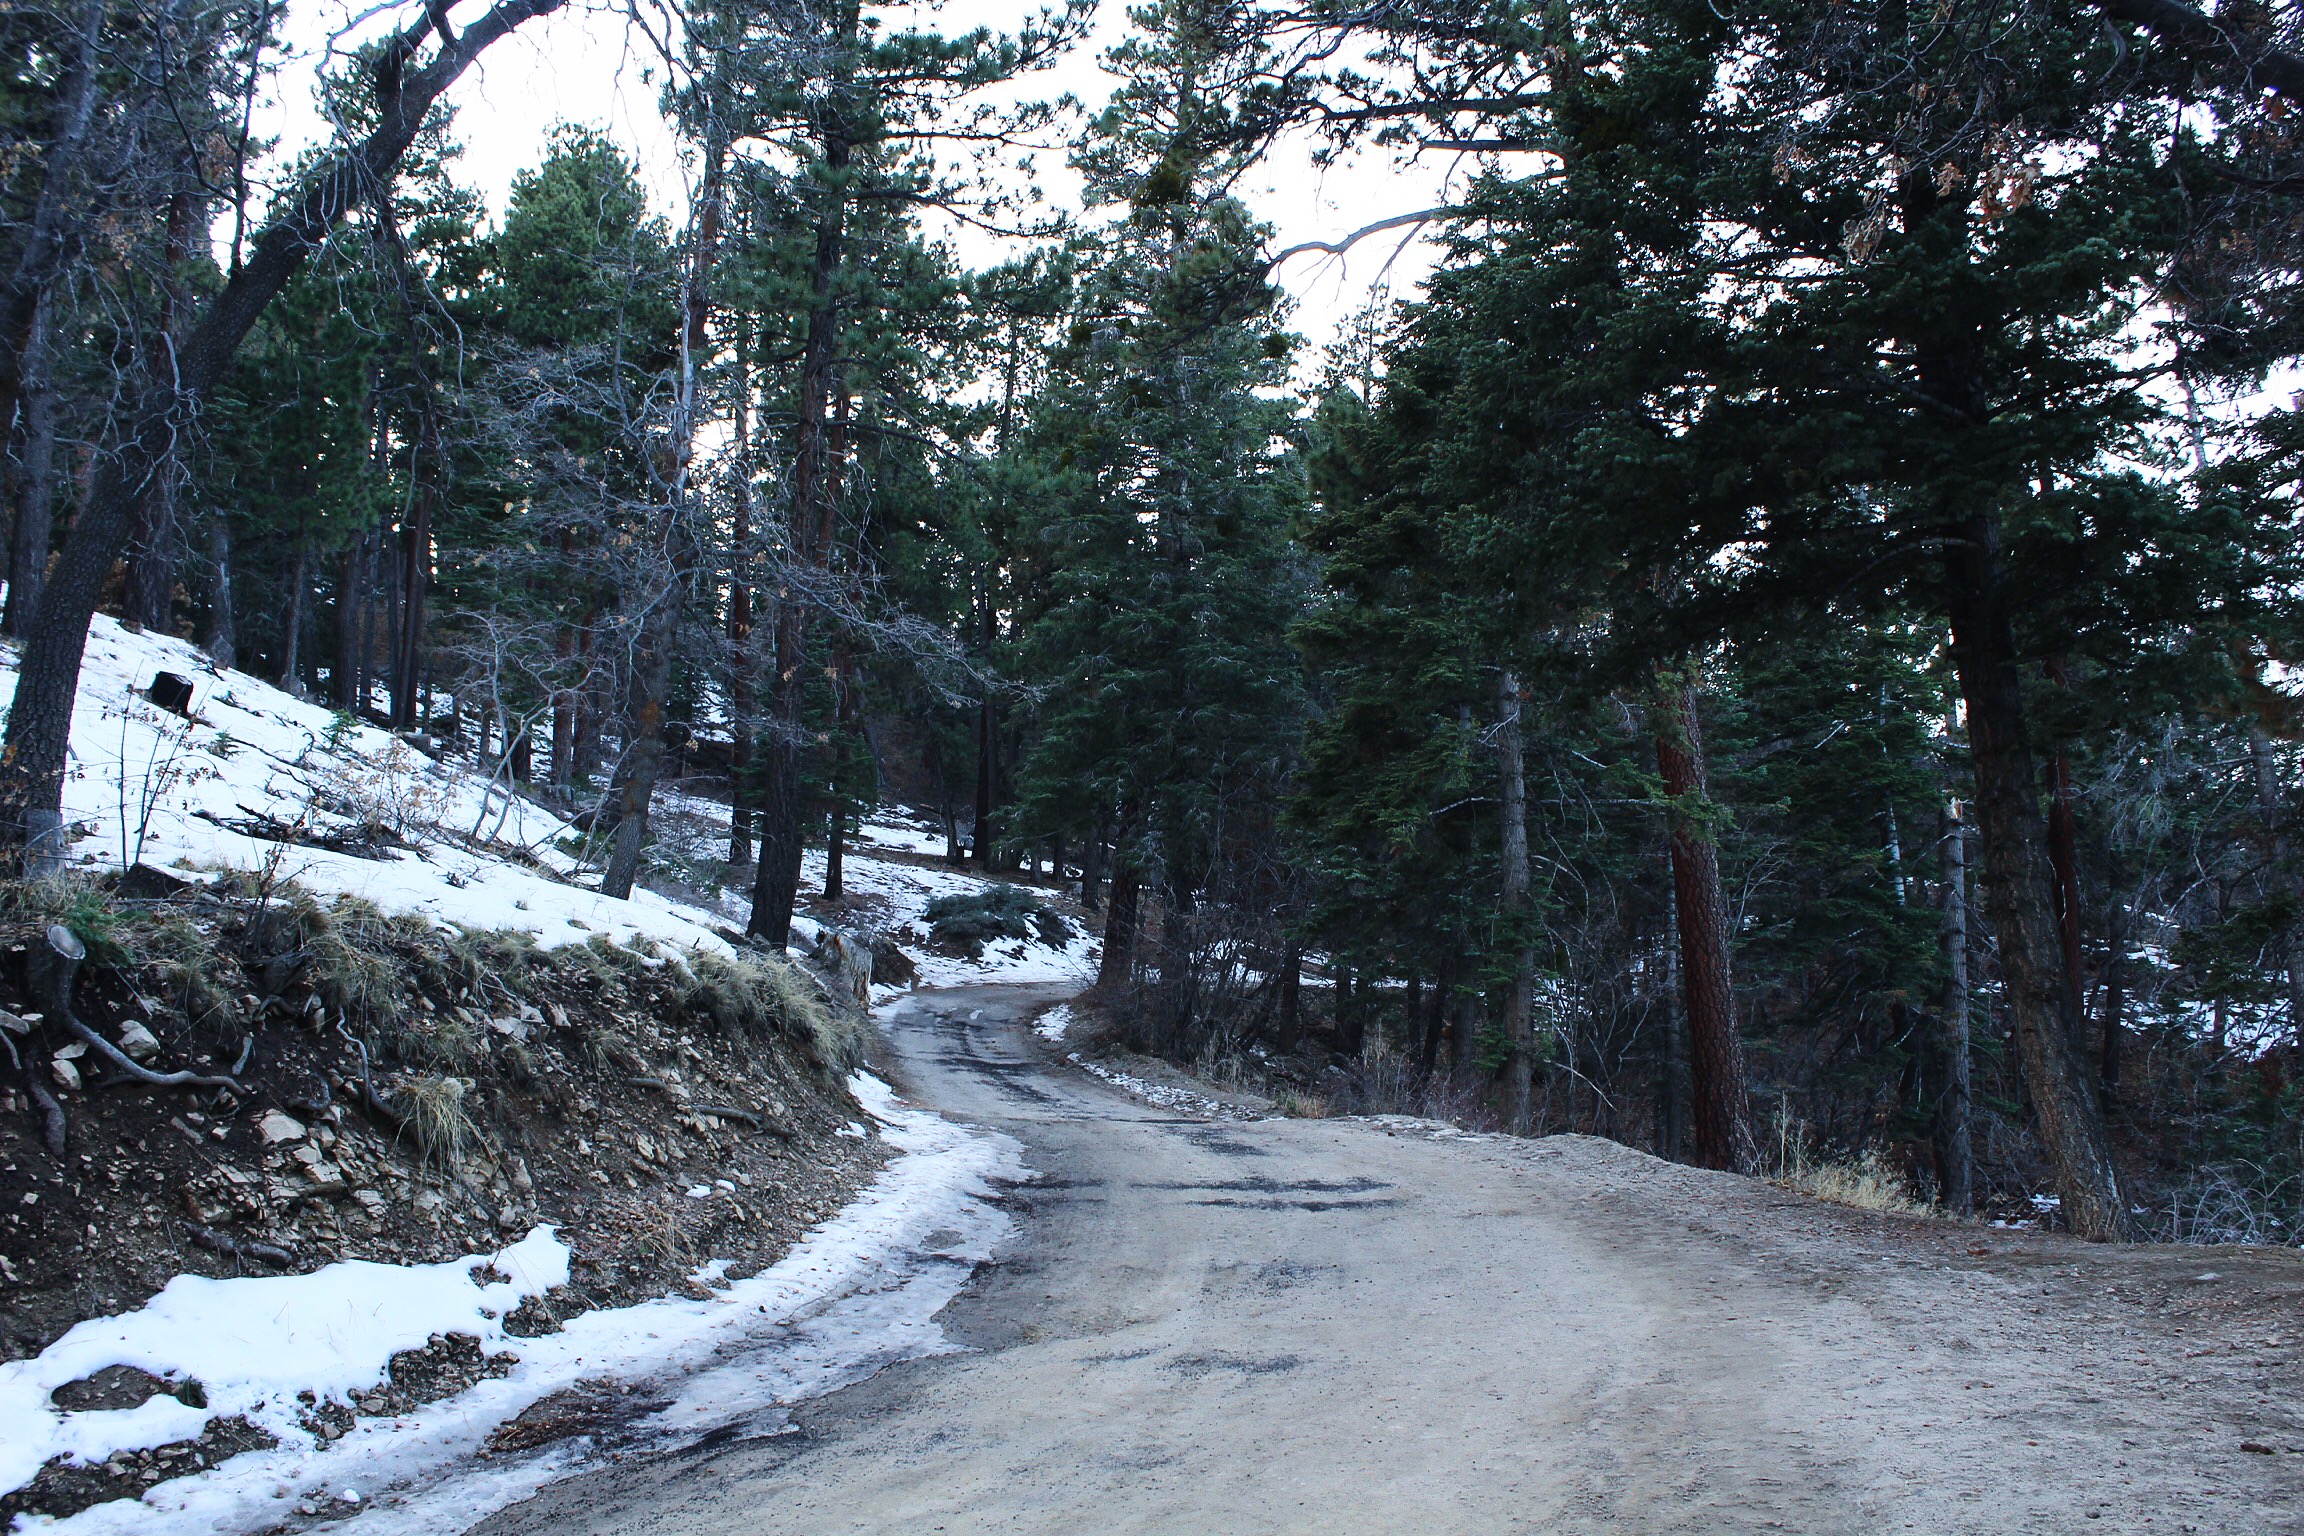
(1343, 1326)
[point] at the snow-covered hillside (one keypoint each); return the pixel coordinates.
(201, 792)
(251, 764)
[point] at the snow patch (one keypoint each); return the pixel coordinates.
(254, 1343)
(1052, 1024)
(1160, 1093)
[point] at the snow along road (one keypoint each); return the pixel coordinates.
(1360, 1326)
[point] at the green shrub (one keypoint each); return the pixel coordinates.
(976, 918)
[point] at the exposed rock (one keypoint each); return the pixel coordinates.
(276, 1127)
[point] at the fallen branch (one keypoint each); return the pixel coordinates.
(233, 1248)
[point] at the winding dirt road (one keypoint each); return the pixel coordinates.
(1348, 1326)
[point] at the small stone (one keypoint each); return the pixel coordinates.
(138, 1043)
(66, 1074)
(276, 1128)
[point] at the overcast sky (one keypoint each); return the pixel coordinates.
(591, 66)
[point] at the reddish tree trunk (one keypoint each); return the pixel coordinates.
(1715, 1053)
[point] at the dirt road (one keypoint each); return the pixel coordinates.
(1344, 1326)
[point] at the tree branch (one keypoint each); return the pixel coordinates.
(1339, 247)
(2207, 41)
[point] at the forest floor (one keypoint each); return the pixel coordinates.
(1212, 1319)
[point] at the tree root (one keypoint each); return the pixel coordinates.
(370, 1099)
(120, 1060)
(51, 1114)
(233, 1248)
(731, 1112)
(317, 1105)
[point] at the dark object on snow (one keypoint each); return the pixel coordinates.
(172, 692)
(144, 883)
(890, 963)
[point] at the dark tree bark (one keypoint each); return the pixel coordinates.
(1719, 1117)
(1351, 1012)
(1955, 1164)
(742, 656)
(32, 760)
(1118, 961)
(49, 236)
(353, 580)
(2272, 809)
(2019, 885)
(1092, 872)
(1288, 1016)
(2064, 863)
(35, 476)
(292, 645)
(1519, 1034)
(987, 735)
(153, 538)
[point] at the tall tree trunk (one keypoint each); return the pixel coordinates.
(1118, 961)
(1519, 1034)
(1955, 1163)
(987, 733)
(2272, 808)
(2116, 999)
(2019, 886)
(152, 538)
(1179, 970)
(843, 735)
(776, 883)
(650, 683)
(1351, 1011)
(2064, 864)
(291, 658)
(50, 236)
(33, 756)
(1708, 994)
(222, 640)
(35, 475)
(742, 654)
(352, 599)
(1288, 1019)
(1092, 872)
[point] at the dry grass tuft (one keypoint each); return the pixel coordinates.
(434, 1107)
(1864, 1182)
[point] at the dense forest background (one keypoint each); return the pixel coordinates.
(1781, 650)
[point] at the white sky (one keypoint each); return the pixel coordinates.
(590, 66)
